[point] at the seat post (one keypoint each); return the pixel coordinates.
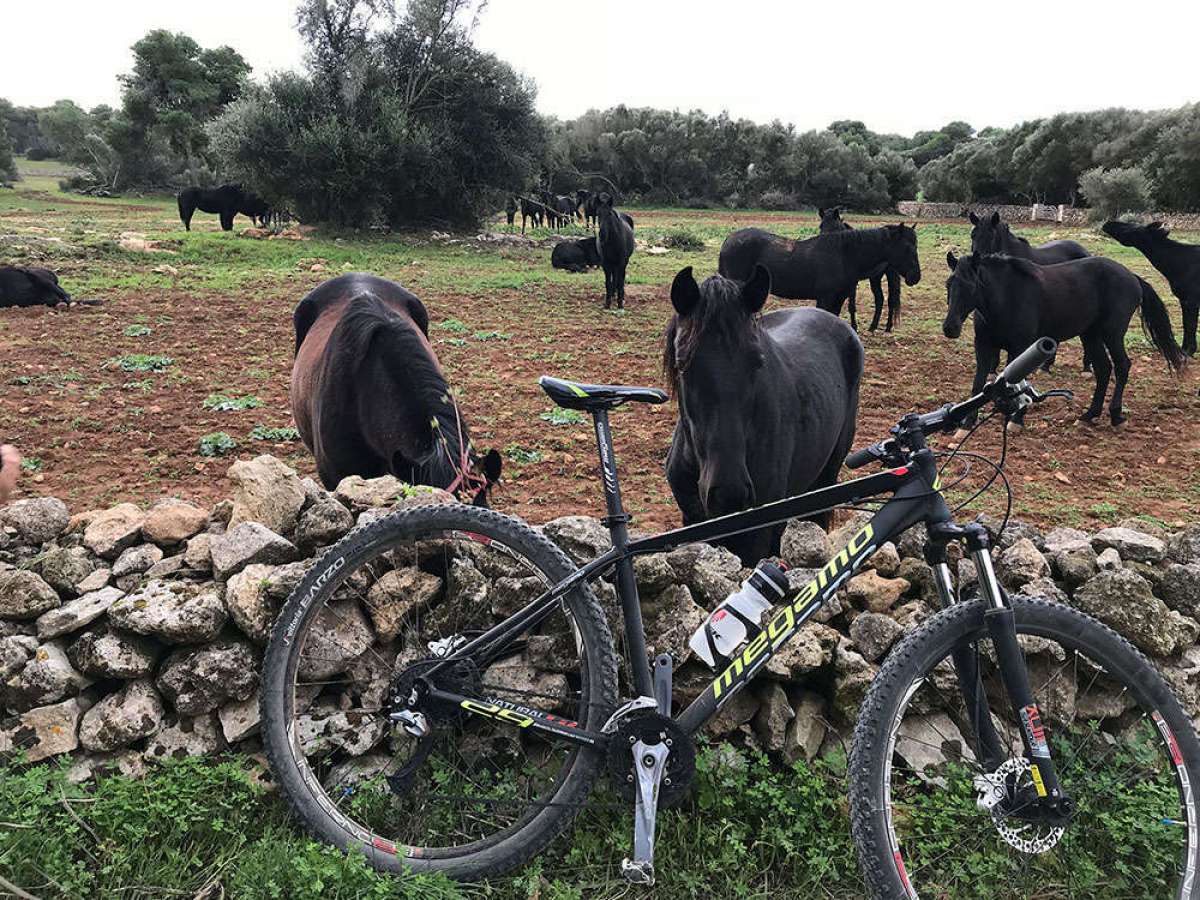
(618, 521)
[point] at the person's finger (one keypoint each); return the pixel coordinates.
(10, 468)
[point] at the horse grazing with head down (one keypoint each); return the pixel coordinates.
(369, 397)
(824, 268)
(1179, 263)
(831, 221)
(1015, 302)
(767, 403)
(226, 201)
(990, 235)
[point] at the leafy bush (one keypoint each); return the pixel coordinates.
(778, 200)
(275, 435)
(216, 444)
(8, 167)
(1111, 192)
(682, 239)
(141, 362)
(229, 403)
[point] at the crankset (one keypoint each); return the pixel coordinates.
(652, 728)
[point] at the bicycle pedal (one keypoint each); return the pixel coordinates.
(637, 871)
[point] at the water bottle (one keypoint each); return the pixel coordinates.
(737, 617)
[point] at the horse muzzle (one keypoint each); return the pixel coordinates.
(951, 329)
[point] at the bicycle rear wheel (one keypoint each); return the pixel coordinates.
(1125, 752)
(476, 796)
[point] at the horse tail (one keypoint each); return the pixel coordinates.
(1157, 325)
(187, 206)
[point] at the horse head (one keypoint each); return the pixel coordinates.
(964, 292)
(831, 219)
(1133, 235)
(714, 357)
(987, 233)
(901, 249)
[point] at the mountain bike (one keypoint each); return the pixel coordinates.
(441, 693)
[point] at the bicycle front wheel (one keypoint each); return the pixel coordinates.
(1125, 753)
(475, 796)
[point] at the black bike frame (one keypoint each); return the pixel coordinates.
(915, 498)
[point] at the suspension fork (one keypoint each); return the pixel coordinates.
(1002, 629)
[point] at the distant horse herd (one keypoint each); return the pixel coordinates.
(767, 402)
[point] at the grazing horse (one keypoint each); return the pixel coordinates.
(824, 268)
(990, 235)
(1016, 301)
(227, 201)
(615, 242)
(831, 221)
(575, 256)
(565, 207)
(1178, 263)
(369, 397)
(767, 404)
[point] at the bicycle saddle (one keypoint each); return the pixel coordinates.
(573, 395)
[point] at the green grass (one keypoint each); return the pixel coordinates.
(137, 330)
(560, 416)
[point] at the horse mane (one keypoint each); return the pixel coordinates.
(1009, 233)
(369, 322)
(1025, 267)
(719, 311)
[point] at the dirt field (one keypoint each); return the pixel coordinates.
(219, 307)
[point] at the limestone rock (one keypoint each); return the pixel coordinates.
(112, 530)
(928, 742)
(874, 634)
(1021, 563)
(285, 579)
(1180, 587)
(653, 573)
(808, 649)
(517, 681)
(873, 592)
(1184, 547)
(581, 537)
(201, 680)
(171, 521)
(173, 611)
(46, 678)
(806, 730)
(112, 654)
(47, 730)
(711, 573)
(15, 652)
(773, 717)
(120, 719)
(670, 619)
(25, 595)
(804, 545)
(360, 493)
(77, 613)
(1075, 564)
(1109, 559)
(339, 635)
(245, 544)
(1122, 599)
(886, 560)
(248, 604)
(166, 567)
(266, 491)
(324, 522)
(36, 520)
(354, 733)
(1059, 540)
(239, 719)
(185, 736)
(398, 594)
(1130, 544)
(63, 568)
(94, 581)
(136, 560)
(198, 553)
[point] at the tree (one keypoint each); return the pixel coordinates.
(1113, 192)
(8, 168)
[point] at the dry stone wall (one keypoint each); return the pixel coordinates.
(1038, 212)
(128, 635)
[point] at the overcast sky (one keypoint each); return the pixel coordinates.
(898, 66)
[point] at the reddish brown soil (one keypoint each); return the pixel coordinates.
(100, 442)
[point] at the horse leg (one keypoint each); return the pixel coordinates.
(1121, 365)
(608, 280)
(1093, 346)
(226, 221)
(877, 291)
(1191, 312)
(621, 288)
(893, 298)
(852, 302)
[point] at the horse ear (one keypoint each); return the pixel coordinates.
(820, 212)
(685, 293)
(756, 289)
(996, 217)
(492, 464)
(974, 218)
(951, 260)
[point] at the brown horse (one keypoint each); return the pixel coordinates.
(369, 397)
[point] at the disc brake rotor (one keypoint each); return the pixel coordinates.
(1011, 777)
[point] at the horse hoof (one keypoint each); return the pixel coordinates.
(1118, 421)
(1089, 418)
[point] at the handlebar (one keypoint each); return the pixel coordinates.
(1007, 391)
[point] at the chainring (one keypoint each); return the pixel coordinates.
(652, 728)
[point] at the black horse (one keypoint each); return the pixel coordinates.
(990, 235)
(582, 196)
(1178, 263)
(575, 256)
(564, 206)
(831, 221)
(1016, 301)
(824, 268)
(767, 404)
(510, 209)
(27, 286)
(369, 397)
(616, 245)
(531, 210)
(227, 201)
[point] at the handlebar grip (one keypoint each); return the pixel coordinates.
(1037, 354)
(860, 458)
